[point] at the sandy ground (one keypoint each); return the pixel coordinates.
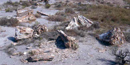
(90, 51)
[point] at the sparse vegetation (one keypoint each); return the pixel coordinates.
(108, 16)
(75, 32)
(33, 7)
(75, 46)
(11, 6)
(9, 10)
(47, 5)
(127, 1)
(12, 3)
(59, 5)
(56, 18)
(33, 52)
(127, 37)
(69, 10)
(8, 21)
(25, 3)
(61, 14)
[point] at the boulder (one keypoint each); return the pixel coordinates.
(79, 21)
(69, 42)
(23, 32)
(114, 36)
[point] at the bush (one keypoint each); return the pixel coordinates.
(9, 10)
(127, 37)
(83, 8)
(69, 10)
(37, 15)
(61, 14)
(33, 7)
(58, 4)
(11, 6)
(8, 22)
(56, 18)
(47, 5)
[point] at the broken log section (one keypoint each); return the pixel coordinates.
(42, 13)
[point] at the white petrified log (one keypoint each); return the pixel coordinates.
(68, 41)
(84, 21)
(79, 21)
(73, 24)
(23, 32)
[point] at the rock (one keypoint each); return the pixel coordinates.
(102, 50)
(23, 32)
(14, 43)
(24, 61)
(69, 42)
(79, 21)
(39, 29)
(114, 36)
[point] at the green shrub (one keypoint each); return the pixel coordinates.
(47, 5)
(8, 10)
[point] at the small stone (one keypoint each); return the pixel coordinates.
(102, 50)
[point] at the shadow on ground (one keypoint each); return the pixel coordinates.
(12, 39)
(104, 43)
(100, 41)
(108, 62)
(59, 43)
